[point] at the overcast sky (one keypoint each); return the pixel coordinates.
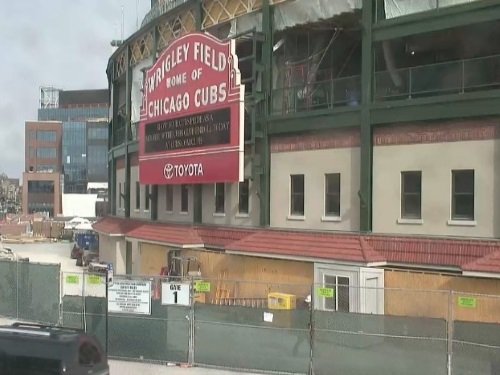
(59, 43)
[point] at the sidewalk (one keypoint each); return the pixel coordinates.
(134, 368)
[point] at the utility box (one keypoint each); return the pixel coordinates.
(281, 301)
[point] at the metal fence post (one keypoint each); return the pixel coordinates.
(450, 332)
(61, 307)
(106, 313)
(410, 83)
(191, 324)
(84, 304)
(332, 93)
(463, 76)
(311, 332)
(17, 289)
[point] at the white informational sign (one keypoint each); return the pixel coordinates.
(268, 317)
(175, 294)
(130, 297)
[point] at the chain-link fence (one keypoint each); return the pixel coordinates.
(30, 291)
(332, 328)
(133, 319)
(258, 326)
(475, 334)
(381, 331)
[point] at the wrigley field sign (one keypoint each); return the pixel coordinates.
(191, 128)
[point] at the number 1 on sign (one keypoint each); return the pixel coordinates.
(175, 294)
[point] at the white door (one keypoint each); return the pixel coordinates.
(372, 291)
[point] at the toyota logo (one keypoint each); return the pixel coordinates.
(168, 171)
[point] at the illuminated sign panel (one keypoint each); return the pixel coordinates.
(191, 128)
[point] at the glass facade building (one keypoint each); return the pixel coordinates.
(84, 144)
(74, 157)
(97, 151)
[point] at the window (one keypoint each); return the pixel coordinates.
(46, 135)
(98, 133)
(46, 168)
(120, 195)
(340, 286)
(297, 195)
(463, 195)
(332, 194)
(219, 198)
(243, 197)
(46, 153)
(184, 198)
(137, 195)
(169, 198)
(411, 195)
(40, 186)
(146, 197)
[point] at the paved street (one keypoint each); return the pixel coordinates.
(48, 252)
(133, 368)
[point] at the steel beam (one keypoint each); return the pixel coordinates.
(437, 19)
(367, 69)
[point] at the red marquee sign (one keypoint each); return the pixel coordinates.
(191, 128)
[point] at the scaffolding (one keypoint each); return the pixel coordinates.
(49, 97)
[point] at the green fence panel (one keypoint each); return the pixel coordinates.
(349, 343)
(38, 290)
(8, 292)
(94, 320)
(161, 336)
(476, 348)
(72, 312)
(239, 337)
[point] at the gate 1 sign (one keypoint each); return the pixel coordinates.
(175, 294)
(192, 111)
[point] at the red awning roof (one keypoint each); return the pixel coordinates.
(431, 251)
(114, 226)
(308, 245)
(220, 237)
(487, 264)
(168, 234)
(468, 255)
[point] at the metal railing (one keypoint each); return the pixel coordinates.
(323, 94)
(119, 136)
(452, 77)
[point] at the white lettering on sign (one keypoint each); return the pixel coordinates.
(130, 297)
(202, 53)
(210, 95)
(170, 104)
(206, 55)
(175, 293)
(171, 171)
